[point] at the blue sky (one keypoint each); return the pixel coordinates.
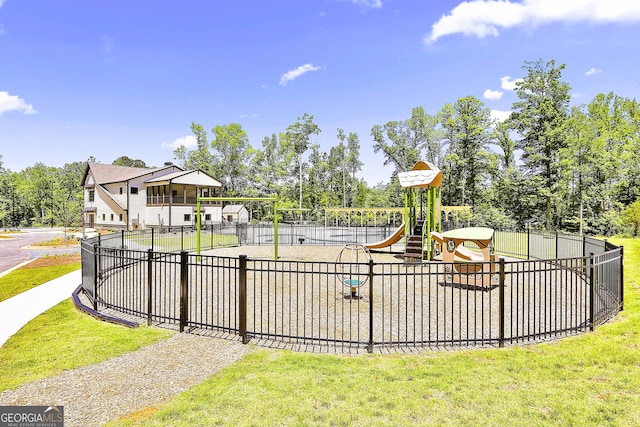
(109, 78)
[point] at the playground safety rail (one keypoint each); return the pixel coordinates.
(403, 305)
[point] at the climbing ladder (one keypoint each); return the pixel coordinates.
(413, 248)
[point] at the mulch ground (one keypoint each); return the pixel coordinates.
(52, 261)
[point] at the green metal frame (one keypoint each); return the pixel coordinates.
(413, 209)
(273, 199)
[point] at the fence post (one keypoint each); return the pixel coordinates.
(182, 238)
(592, 294)
(370, 344)
(501, 303)
(121, 239)
(184, 289)
(621, 278)
(149, 283)
(96, 269)
(152, 238)
(528, 241)
(556, 254)
(242, 298)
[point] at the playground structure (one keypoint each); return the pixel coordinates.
(420, 227)
(422, 208)
(553, 287)
(352, 264)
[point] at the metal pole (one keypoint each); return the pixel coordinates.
(275, 227)
(149, 284)
(95, 275)
(501, 303)
(242, 299)
(370, 345)
(592, 293)
(198, 223)
(184, 289)
(621, 278)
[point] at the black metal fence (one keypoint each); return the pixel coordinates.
(399, 305)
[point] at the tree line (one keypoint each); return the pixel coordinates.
(549, 165)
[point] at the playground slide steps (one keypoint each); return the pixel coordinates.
(413, 248)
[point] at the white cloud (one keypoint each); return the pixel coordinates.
(188, 141)
(507, 83)
(592, 71)
(14, 103)
(483, 18)
(376, 4)
(500, 116)
(297, 72)
(492, 94)
(248, 116)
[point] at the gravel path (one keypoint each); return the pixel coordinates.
(95, 394)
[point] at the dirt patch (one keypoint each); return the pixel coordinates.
(59, 242)
(51, 261)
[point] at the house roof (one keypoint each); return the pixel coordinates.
(193, 177)
(105, 174)
(233, 209)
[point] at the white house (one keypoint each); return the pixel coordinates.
(235, 213)
(138, 198)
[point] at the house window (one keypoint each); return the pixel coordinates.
(207, 217)
(120, 190)
(103, 217)
(134, 190)
(120, 217)
(92, 195)
(111, 217)
(187, 217)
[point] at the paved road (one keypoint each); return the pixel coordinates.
(14, 251)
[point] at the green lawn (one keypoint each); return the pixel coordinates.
(61, 338)
(64, 338)
(592, 379)
(171, 242)
(26, 278)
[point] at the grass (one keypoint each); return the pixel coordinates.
(24, 279)
(592, 379)
(66, 339)
(175, 241)
(62, 337)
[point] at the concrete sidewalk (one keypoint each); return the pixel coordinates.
(17, 311)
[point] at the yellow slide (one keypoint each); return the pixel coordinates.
(397, 235)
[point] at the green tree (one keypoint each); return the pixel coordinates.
(506, 144)
(274, 165)
(404, 142)
(298, 135)
(539, 117)
(127, 161)
(337, 161)
(35, 190)
(69, 195)
(198, 158)
(631, 216)
(233, 150)
(353, 165)
(468, 164)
